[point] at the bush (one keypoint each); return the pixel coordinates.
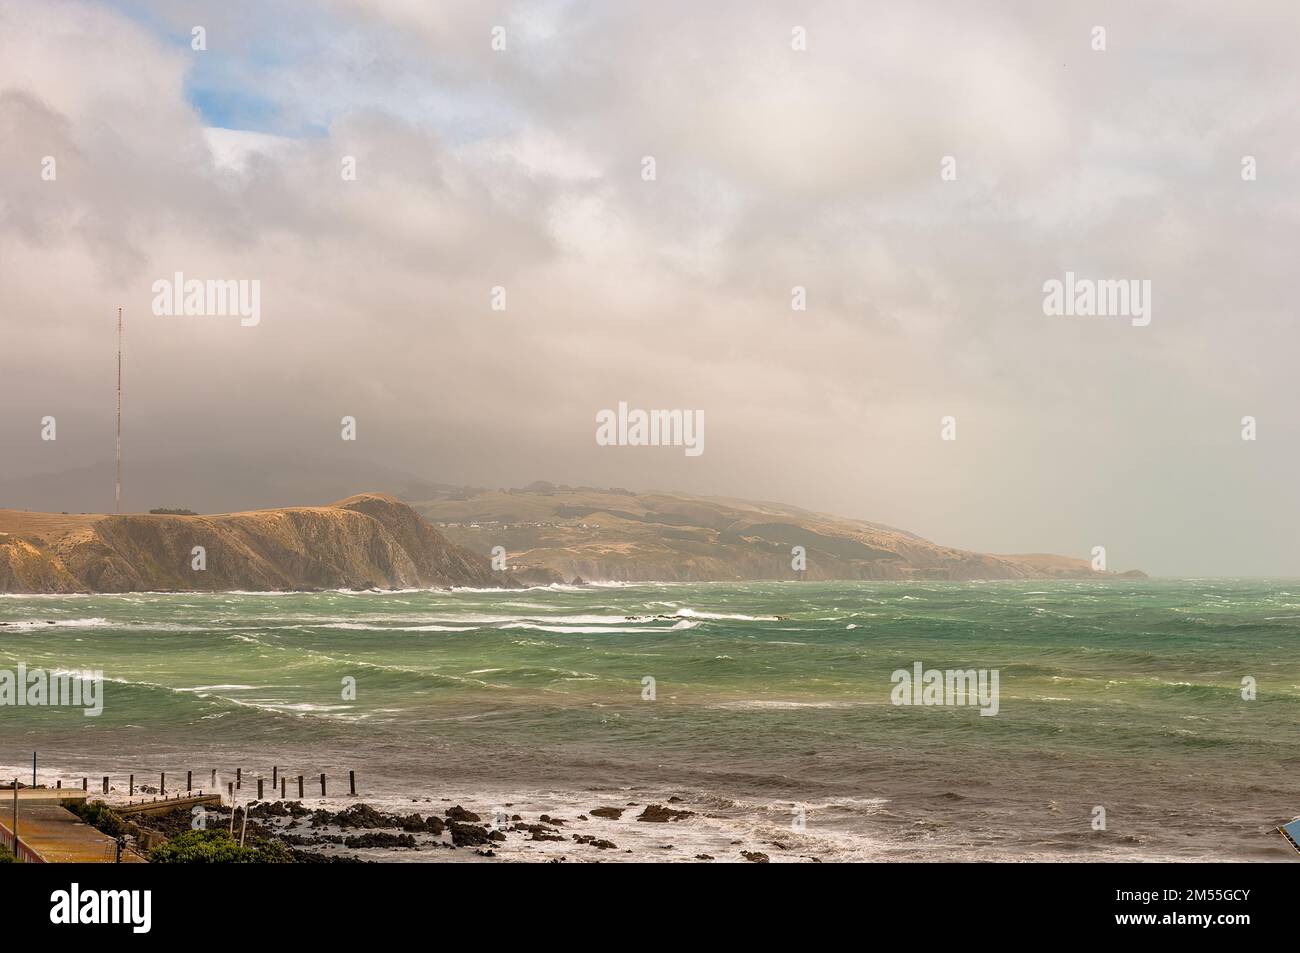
(5, 856)
(100, 816)
(217, 847)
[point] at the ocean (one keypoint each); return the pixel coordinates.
(769, 714)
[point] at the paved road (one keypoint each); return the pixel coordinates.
(60, 837)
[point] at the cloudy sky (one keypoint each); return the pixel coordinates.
(774, 167)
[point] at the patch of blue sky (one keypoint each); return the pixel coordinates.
(292, 71)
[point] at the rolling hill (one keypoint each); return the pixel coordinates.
(561, 533)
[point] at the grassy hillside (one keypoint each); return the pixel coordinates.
(592, 534)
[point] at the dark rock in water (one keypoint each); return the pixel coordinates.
(555, 821)
(468, 835)
(415, 823)
(380, 839)
(265, 809)
(297, 840)
(300, 840)
(703, 857)
(754, 856)
(497, 835)
(310, 857)
(674, 800)
(658, 814)
(595, 842)
(613, 813)
(485, 853)
(538, 832)
(461, 815)
(364, 816)
(515, 817)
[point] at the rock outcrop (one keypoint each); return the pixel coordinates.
(369, 541)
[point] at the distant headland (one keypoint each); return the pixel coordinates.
(540, 534)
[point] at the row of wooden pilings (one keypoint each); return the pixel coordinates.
(232, 786)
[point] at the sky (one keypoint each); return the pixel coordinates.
(826, 165)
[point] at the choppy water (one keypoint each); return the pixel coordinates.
(1120, 695)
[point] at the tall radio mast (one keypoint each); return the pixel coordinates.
(118, 495)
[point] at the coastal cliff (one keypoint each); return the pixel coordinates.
(550, 535)
(363, 542)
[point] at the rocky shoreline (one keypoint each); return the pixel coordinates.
(361, 833)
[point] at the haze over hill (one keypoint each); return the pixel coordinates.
(549, 534)
(614, 534)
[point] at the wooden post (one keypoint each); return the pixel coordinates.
(230, 791)
(282, 780)
(322, 785)
(239, 780)
(189, 781)
(300, 787)
(274, 775)
(259, 789)
(131, 790)
(85, 784)
(214, 779)
(243, 826)
(162, 783)
(352, 782)
(59, 783)
(106, 784)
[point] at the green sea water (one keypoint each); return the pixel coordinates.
(769, 701)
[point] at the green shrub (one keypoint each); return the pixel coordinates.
(100, 816)
(217, 847)
(5, 856)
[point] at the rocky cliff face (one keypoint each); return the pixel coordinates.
(363, 542)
